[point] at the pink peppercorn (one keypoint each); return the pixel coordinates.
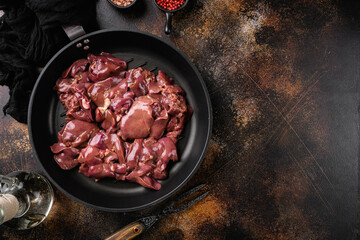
(170, 4)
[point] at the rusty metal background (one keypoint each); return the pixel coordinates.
(284, 156)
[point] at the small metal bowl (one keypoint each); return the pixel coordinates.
(121, 7)
(169, 14)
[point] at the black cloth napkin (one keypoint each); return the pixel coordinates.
(30, 34)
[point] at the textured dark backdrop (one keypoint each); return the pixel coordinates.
(283, 77)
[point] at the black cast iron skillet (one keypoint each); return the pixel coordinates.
(46, 118)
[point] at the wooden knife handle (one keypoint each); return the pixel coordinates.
(128, 232)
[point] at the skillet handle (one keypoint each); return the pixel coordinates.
(74, 31)
(130, 231)
(168, 22)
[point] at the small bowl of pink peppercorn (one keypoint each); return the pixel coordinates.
(170, 7)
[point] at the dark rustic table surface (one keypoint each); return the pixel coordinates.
(283, 162)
